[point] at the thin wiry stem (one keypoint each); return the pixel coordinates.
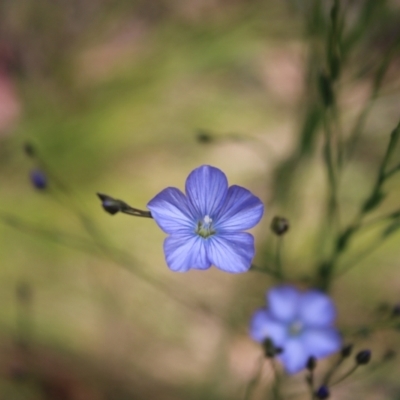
(346, 375)
(117, 256)
(372, 201)
(392, 171)
(277, 381)
(279, 269)
(264, 270)
(362, 118)
(249, 390)
(327, 378)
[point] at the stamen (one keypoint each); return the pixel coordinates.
(204, 227)
(207, 220)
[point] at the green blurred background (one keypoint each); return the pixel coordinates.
(113, 95)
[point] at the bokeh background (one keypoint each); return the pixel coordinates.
(126, 98)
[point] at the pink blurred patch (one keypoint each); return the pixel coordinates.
(10, 107)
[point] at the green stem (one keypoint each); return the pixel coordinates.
(279, 269)
(392, 172)
(346, 375)
(361, 120)
(277, 381)
(331, 172)
(373, 200)
(264, 270)
(310, 382)
(254, 381)
(331, 371)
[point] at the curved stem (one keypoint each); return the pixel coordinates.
(346, 375)
(255, 379)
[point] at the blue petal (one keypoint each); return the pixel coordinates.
(171, 210)
(241, 210)
(321, 342)
(283, 303)
(206, 188)
(294, 356)
(263, 326)
(231, 252)
(316, 309)
(185, 251)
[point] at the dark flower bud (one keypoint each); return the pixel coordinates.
(270, 350)
(204, 136)
(396, 310)
(346, 351)
(109, 204)
(363, 357)
(38, 179)
(279, 225)
(322, 392)
(29, 149)
(311, 363)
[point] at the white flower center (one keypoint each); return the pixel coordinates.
(207, 220)
(295, 328)
(205, 227)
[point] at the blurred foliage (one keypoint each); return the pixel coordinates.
(111, 95)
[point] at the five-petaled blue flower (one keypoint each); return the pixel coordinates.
(206, 226)
(301, 323)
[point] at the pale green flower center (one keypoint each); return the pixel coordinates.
(205, 227)
(295, 328)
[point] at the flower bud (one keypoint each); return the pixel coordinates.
(109, 204)
(279, 225)
(363, 357)
(396, 310)
(322, 392)
(346, 351)
(38, 179)
(29, 149)
(270, 350)
(204, 137)
(311, 363)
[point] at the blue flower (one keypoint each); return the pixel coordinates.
(206, 225)
(301, 323)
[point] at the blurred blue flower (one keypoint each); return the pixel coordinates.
(38, 179)
(301, 323)
(206, 225)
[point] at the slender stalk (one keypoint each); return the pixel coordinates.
(392, 171)
(249, 390)
(310, 382)
(279, 269)
(327, 378)
(264, 270)
(115, 255)
(277, 381)
(373, 200)
(346, 375)
(362, 118)
(331, 171)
